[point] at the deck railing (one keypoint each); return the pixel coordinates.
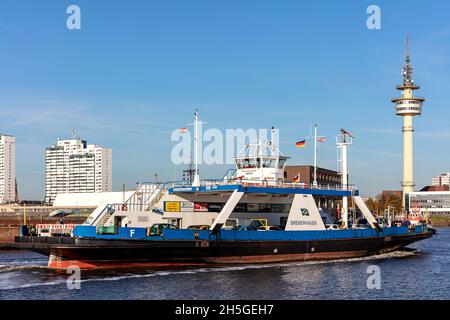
(266, 183)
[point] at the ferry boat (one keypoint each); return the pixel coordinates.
(251, 215)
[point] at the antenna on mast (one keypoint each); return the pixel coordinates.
(273, 141)
(408, 59)
(407, 71)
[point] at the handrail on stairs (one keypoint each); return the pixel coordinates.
(100, 215)
(158, 190)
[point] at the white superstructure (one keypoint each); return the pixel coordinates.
(73, 166)
(252, 196)
(261, 161)
(7, 168)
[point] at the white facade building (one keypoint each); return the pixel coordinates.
(433, 202)
(441, 180)
(72, 166)
(7, 168)
(71, 200)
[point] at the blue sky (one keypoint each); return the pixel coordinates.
(136, 69)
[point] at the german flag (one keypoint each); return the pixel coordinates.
(300, 144)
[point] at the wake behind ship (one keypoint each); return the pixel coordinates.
(251, 215)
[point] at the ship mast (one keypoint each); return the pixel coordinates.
(315, 156)
(196, 181)
(342, 143)
(315, 137)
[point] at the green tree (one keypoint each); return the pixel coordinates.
(374, 205)
(393, 201)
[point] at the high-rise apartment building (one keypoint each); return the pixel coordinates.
(441, 180)
(7, 168)
(73, 166)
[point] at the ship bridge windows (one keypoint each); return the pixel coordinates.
(258, 162)
(246, 163)
(269, 163)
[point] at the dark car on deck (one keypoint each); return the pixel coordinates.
(157, 228)
(199, 227)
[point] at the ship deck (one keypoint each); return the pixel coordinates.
(259, 188)
(241, 235)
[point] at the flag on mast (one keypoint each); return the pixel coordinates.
(300, 144)
(321, 139)
(183, 130)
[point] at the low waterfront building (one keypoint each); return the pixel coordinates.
(76, 200)
(386, 194)
(13, 210)
(73, 166)
(13, 216)
(7, 168)
(436, 188)
(305, 174)
(433, 202)
(16, 210)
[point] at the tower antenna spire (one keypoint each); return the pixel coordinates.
(408, 58)
(407, 70)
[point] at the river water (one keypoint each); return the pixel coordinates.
(422, 273)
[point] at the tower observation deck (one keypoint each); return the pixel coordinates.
(407, 107)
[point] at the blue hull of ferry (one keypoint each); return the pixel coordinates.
(133, 247)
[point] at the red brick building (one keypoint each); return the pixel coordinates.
(387, 193)
(306, 175)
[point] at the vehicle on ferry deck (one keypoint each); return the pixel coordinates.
(158, 228)
(199, 227)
